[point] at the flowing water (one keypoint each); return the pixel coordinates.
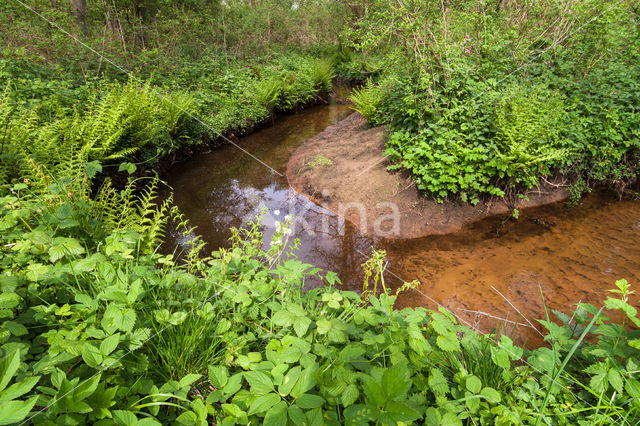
(493, 269)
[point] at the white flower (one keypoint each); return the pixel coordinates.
(276, 242)
(277, 225)
(276, 212)
(287, 231)
(288, 217)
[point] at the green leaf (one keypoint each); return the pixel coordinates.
(91, 355)
(118, 318)
(350, 395)
(276, 416)
(130, 168)
(500, 358)
(308, 401)
(615, 380)
(296, 415)
(92, 168)
(218, 376)
(394, 380)
(374, 392)
(599, 383)
(473, 384)
(87, 388)
(400, 412)
(437, 382)
(263, 403)
(18, 389)
(189, 379)
(109, 344)
(9, 300)
(323, 326)
(15, 411)
(306, 382)
(491, 394)
(301, 325)
(289, 380)
(123, 417)
(260, 383)
(8, 367)
(448, 342)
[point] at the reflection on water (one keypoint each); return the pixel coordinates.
(227, 188)
(571, 254)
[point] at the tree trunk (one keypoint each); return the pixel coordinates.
(79, 9)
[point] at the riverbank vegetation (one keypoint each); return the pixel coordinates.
(100, 327)
(491, 100)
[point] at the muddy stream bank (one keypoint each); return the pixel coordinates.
(573, 253)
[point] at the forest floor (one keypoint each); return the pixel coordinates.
(344, 167)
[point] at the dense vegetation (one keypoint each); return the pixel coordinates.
(99, 327)
(494, 98)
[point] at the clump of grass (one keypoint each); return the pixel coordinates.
(319, 160)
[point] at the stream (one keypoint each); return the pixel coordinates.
(491, 271)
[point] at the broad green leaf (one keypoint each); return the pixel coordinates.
(93, 168)
(500, 358)
(8, 367)
(395, 381)
(491, 394)
(86, 388)
(323, 326)
(301, 325)
(473, 384)
(91, 355)
(9, 300)
(189, 379)
(12, 412)
(124, 418)
(400, 412)
(277, 415)
(260, 383)
(263, 403)
(350, 395)
(305, 383)
(374, 392)
(18, 389)
(437, 382)
(448, 342)
(308, 401)
(218, 376)
(296, 415)
(109, 344)
(615, 380)
(289, 380)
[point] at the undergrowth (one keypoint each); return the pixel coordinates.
(98, 327)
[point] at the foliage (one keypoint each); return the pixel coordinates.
(366, 100)
(322, 75)
(481, 106)
(110, 330)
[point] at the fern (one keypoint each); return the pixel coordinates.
(268, 92)
(366, 101)
(528, 123)
(322, 74)
(139, 212)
